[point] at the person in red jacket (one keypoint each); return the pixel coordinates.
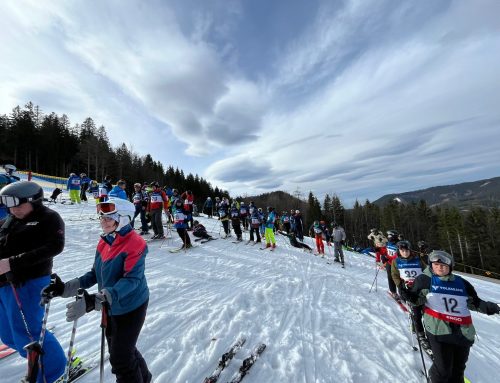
(188, 199)
(158, 201)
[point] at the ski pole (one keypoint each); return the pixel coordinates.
(374, 280)
(410, 328)
(104, 325)
(71, 342)
(420, 348)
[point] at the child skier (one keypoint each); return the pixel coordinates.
(235, 221)
(271, 217)
(223, 211)
(199, 231)
(404, 269)
(255, 221)
(447, 320)
(180, 223)
(316, 232)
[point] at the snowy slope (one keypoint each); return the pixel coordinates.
(318, 320)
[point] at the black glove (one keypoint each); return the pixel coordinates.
(54, 289)
(57, 288)
(407, 295)
(342, 242)
(489, 308)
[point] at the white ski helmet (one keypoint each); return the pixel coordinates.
(119, 209)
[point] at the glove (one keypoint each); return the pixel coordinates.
(489, 308)
(342, 242)
(86, 303)
(57, 288)
(407, 295)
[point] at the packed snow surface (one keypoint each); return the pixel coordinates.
(318, 320)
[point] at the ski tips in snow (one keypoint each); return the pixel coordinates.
(248, 363)
(224, 360)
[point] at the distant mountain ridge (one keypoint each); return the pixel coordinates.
(482, 193)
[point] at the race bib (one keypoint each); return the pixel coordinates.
(156, 198)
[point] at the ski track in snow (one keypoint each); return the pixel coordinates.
(318, 320)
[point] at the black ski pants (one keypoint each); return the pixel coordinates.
(156, 221)
(225, 225)
(184, 236)
(236, 227)
(83, 192)
(449, 361)
(257, 233)
(126, 361)
(390, 281)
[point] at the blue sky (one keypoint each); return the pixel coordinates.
(358, 98)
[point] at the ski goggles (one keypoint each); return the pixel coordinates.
(11, 201)
(403, 245)
(105, 208)
(439, 256)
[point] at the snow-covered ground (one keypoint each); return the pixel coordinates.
(318, 320)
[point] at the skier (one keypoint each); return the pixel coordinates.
(223, 211)
(9, 171)
(292, 221)
(118, 270)
(84, 185)
(199, 231)
(94, 189)
(140, 201)
(423, 250)
(244, 212)
(338, 239)
(255, 222)
(388, 254)
(188, 198)
(118, 190)
(447, 320)
(30, 237)
(158, 202)
(5, 179)
(299, 226)
(404, 269)
(235, 221)
(180, 223)
(326, 232)
(379, 242)
(271, 217)
(285, 221)
(208, 207)
(293, 241)
(316, 232)
(73, 185)
(104, 188)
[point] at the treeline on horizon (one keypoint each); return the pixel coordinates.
(49, 144)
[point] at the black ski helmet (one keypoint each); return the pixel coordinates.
(392, 235)
(24, 191)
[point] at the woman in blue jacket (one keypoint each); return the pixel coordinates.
(118, 271)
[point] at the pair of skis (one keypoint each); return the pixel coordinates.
(228, 356)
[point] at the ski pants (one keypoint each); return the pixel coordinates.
(122, 333)
(270, 236)
(13, 332)
(286, 226)
(338, 252)
(74, 195)
(236, 227)
(449, 361)
(319, 244)
(156, 221)
(417, 312)
(83, 192)
(184, 236)
(257, 233)
(390, 281)
(225, 225)
(299, 233)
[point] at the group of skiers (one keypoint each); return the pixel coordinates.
(32, 234)
(438, 300)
